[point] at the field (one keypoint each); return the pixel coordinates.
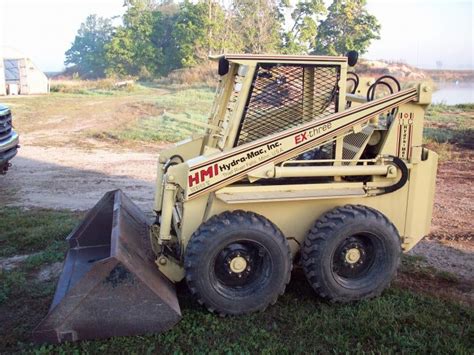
(88, 138)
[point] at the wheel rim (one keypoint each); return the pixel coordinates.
(241, 268)
(355, 258)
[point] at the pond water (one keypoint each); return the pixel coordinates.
(452, 93)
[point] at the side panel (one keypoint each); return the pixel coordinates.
(295, 218)
(420, 200)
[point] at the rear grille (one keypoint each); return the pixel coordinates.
(5, 126)
(284, 96)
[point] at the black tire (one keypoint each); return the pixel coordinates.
(225, 238)
(339, 273)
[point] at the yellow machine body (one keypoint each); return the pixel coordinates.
(289, 138)
(218, 173)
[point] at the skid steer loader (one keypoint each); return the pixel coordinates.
(301, 160)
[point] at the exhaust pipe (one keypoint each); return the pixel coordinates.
(110, 285)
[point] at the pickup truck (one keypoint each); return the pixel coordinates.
(8, 139)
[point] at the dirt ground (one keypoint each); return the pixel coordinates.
(73, 178)
(58, 168)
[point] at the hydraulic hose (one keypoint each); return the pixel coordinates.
(170, 161)
(403, 179)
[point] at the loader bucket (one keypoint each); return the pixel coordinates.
(110, 285)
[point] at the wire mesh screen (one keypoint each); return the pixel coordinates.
(353, 143)
(284, 96)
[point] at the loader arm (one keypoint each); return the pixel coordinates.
(206, 174)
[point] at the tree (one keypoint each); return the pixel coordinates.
(222, 37)
(258, 24)
(87, 52)
(302, 35)
(131, 50)
(348, 26)
(191, 33)
(203, 28)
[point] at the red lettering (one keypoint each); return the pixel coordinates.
(193, 179)
(300, 138)
(201, 175)
(207, 172)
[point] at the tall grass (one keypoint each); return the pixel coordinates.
(92, 87)
(204, 75)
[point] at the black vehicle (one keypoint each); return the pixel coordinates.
(9, 139)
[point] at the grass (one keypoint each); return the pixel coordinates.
(126, 117)
(399, 321)
(33, 231)
(447, 126)
(450, 124)
(185, 105)
(38, 233)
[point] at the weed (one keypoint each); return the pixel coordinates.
(10, 280)
(444, 150)
(54, 252)
(446, 276)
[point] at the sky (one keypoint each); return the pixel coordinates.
(424, 33)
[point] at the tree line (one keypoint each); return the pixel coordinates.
(156, 37)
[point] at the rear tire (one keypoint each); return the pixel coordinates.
(351, 253)
(237, 262)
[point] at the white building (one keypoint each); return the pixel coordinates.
(19, 75)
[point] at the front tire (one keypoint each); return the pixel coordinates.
(351, 253)
(237, 262)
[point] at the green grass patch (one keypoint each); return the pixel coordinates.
(400, 321)
(36, 230)
(189, 104)
(463, 137)
(455, 116)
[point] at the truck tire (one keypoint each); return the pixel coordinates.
(351, 253)
(237, 263)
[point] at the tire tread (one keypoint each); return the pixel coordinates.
(318, 236)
